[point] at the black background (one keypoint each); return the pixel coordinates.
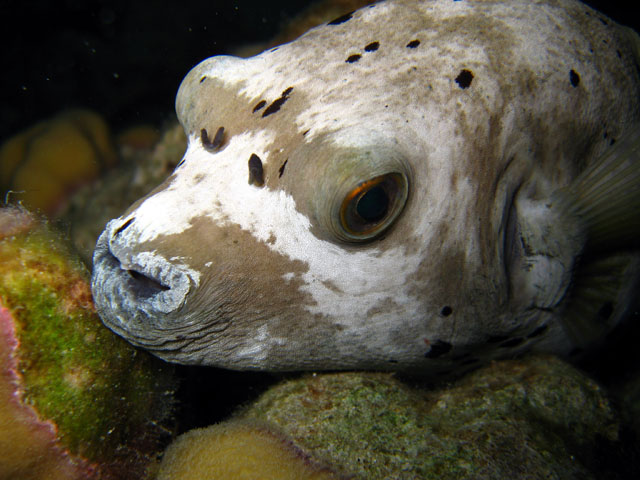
(126, 58)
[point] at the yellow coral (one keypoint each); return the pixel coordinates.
(45, 163)
(238, 450)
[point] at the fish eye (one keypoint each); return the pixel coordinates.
(372, 206)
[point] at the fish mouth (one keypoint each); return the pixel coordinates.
(138, 294)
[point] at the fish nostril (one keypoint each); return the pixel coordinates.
(145, 286)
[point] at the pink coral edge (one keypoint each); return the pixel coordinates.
(44, 431)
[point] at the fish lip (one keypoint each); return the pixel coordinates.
(137, 293)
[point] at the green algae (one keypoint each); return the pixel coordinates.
(107, 400)
(533, 418)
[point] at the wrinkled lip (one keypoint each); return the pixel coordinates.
(135, 291)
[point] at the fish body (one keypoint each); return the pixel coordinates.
(417, 185)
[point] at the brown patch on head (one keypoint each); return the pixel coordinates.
(249, 296)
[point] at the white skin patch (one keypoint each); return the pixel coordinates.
(341, 282)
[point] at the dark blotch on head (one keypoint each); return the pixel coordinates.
(344, 18)
(464, 78)
(372, 47)
(438, 349)
(256, 174)
(275, 106)
(353, 58)
(123, 226)
(574, 78)
(216, 143)
(446, 311)
(203, 79)
(259, 105)
(413, 44)
(514, 342)
(281, 169)
(538, 331)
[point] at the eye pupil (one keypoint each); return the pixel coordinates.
(373, 205)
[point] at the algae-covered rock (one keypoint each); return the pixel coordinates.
(77, 401)
(537, 418)
(239, 450)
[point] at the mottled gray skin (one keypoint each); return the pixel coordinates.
(485, 107)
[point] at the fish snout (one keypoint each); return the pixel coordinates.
(137, 291)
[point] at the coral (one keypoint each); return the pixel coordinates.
(532, 418)
(41, 166)
(138, 137)
(238, 450)
(81, 399)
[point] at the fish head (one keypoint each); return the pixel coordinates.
(289, 238)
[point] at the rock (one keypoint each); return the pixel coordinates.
(536, 418)
(76, 401)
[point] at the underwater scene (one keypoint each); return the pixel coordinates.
(329, 239)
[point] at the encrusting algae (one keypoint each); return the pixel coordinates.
(78, 402)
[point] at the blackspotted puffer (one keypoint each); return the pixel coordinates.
(417, 185)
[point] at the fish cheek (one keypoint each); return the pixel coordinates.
(243, 278)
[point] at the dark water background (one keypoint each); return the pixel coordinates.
(126, 58)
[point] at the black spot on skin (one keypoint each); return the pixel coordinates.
(372, 47)
(305, 132)
(538, 331)
(275, 106)
(497, 339)
(438, 349)
(574, 78)
(413, 44)
(514, 342)
(216, 143)
(281, 169)
(605, 311)
(256, 174)
(344, 18)
(203, 79)
(259, 105)
(123, 226)
(446, 311)
(464, 78)
(353, 58)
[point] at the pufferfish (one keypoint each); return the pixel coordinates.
(415, 186)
